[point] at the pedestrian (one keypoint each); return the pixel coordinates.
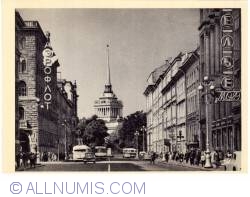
(167, 157)
(181, 157)
(203, 159)
(25, 159)
(192, 156)
(187, 156)
(216, 159)
(18, 158)
(153, 157)
(198, 157)
(32, 158)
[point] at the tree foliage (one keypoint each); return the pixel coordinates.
(92, 131)
(132, 123)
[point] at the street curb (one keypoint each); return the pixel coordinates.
(189, 166)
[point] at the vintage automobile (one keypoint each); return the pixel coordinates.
(233, 163)
(144, 155)
(89, 157)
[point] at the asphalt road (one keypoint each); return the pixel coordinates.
(113, 166)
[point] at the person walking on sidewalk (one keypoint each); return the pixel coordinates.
(153, 157)
(203, 159)
(187, 155)
(192, 157)
(167, 157)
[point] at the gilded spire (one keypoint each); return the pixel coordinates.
(108, 68)
(108, 86)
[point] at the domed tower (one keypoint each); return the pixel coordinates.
(108, 107)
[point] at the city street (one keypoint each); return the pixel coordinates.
(114, 166)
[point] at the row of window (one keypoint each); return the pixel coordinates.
(192, 104)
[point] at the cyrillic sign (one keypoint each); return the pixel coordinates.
(228, 93)
(228, 96)
(49, 59)
(227, 43)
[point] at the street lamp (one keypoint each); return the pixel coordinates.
(143, 143)
(208, 84)
(65, 140)
(137, 143)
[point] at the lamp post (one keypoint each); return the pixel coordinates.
(208, 84)
(65, 140)
(137, 143)
(143, 143)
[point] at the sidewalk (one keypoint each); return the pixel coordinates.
(188, 165)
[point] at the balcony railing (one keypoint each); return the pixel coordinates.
(24, 124)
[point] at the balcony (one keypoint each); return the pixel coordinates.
(25, 125)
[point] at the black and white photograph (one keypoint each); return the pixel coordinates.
(122, 89)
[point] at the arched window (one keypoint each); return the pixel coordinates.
(23, 66)
(22, 43)
(21, 113)
(22, 91)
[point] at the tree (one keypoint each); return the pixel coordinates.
(92, 131)
(132, 123)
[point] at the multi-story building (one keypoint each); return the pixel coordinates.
(190, 67)
(220, 61)
(39, 97)
(175, 106)
(171, 95)
(154, 110)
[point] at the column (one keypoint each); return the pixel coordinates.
(212, 50)
(207, 54)
(217, 49)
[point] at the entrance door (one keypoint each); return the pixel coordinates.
(24, 142)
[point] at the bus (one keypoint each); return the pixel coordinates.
(100, 152)
(129, 152)
(79, 152)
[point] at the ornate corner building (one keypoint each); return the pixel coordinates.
(46, 110)
(220, 60)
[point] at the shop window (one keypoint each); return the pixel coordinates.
(22, 89)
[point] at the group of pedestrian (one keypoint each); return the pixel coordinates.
(25, 160)
(48, 156)
(192, 157)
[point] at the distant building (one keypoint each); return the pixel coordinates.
(43, 107)
(108, 107)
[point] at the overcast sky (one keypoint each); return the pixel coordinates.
(140, 40)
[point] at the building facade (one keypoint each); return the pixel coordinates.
(190, 67)
(39, 97)
(154, 109)
(108, 107)
(220, 49)
(171, 104)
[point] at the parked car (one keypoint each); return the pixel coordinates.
(233, 163)
(144, 155)
(89, 157)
